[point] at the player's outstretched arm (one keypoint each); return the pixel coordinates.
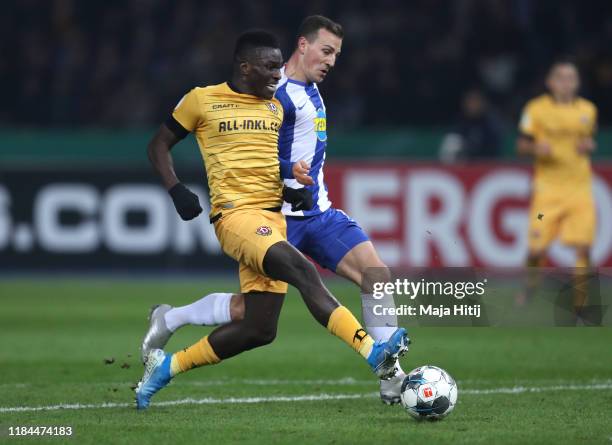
(300, 198)
(185, 201)
(159, 155)
(527, 145)
(524, 145)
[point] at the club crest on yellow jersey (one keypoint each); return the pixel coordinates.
(272, 107)
(264, 231)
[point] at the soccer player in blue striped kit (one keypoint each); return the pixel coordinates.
(327, 235)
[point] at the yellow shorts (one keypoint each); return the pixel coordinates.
(246, 235)
(569, 217)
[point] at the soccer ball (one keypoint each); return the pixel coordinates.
(428, 392)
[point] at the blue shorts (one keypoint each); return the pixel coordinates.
(326, 238)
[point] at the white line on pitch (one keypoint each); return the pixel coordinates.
(279, 382)
(303, 398)
(191, 401)
(524, 389)
(344, 381)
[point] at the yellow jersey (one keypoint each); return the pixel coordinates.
(561, 125)
(238, 139)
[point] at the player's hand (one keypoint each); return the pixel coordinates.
(185, 201)
(586, 146)
(300, 199)
(542, 149)
(300, 171)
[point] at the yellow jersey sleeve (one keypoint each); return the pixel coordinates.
(528, 124)
(188, 111)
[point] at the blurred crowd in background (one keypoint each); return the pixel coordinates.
(125, 64)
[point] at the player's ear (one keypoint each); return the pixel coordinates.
(245, 68)
(301, 44)
(548, 83)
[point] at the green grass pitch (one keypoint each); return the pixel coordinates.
(307, 387)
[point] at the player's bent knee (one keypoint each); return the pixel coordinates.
(285, 263)
(303, 268)
(374, 263)
(266, 336)
(375, 275)
(260, 336)
(304, 277)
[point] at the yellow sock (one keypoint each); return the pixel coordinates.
(199, 354)
(582, 261)
(581, 281)
(345, 326)
(533, 272)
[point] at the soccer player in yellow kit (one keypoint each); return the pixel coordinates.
(236, 125)
(328, 236)
(557, 129)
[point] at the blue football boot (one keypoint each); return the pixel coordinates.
(384, 355)
(156, 376)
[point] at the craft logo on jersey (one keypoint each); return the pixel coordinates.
(264, 231)
(272, 107)
(320, 125)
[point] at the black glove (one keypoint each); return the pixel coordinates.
(185, 201)
(300, 199)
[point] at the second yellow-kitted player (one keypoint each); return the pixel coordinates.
(557, 129)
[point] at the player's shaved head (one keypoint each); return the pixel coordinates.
(312, 24)
(257, 63)
(249, 42)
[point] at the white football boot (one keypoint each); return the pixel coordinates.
(158, 334)
(390, 390)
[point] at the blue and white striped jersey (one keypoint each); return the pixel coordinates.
(303, 136)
